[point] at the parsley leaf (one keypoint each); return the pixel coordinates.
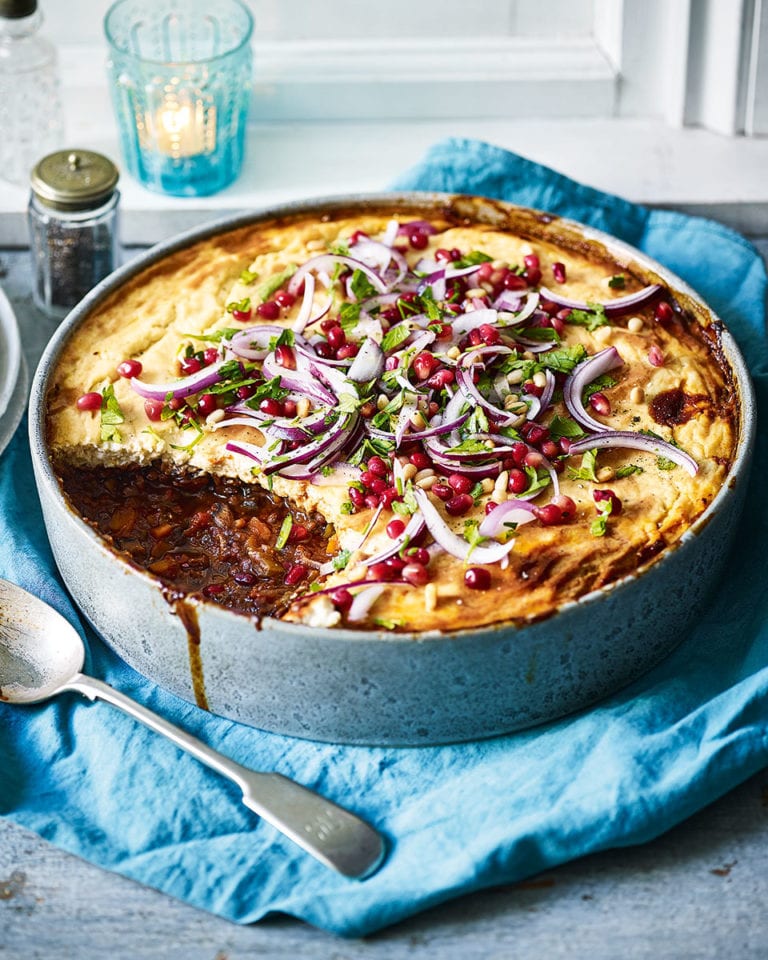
(226, 333)
(395, 336)
(341, 560)
(247, 276)
(664, 463)
(591, 319)
(349, 314)
(599, 525)
(348, 402)
(628, 470)
(270, 390)
(602, 382)
(473, 258)
(111, 416)
(361, 287)
(537, 480)
(564, 427)
(587, 469)
(617, 282)
(241, 306)
(266, 289)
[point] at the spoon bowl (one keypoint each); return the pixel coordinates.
(42, 654)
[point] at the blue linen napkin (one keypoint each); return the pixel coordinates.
(459, 818)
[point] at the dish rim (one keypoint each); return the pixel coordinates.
(614, 246)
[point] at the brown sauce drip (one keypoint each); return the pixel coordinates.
(201, 535)
(673, 407)
(188, 616)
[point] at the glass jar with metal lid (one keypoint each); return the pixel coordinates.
(72, 226)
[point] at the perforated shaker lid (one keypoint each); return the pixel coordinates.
(74, 179)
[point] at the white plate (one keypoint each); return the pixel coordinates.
(13, 373)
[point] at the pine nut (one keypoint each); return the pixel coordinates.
(454, 353)
(477, 292)
(430, 597)
(426, 472)
(488, 484)
(426, 483)
(540, 379)
(635, 324)
(302, 407)
(417, 421)
(636, 395)
(215, 417)
(603, 333)
(500, 487)
(409, 471)
(515, 376)
(381, 401)
(605, 474)
(316, 245)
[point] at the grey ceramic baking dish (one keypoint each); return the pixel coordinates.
(380, 687)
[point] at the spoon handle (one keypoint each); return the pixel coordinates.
(331, 834)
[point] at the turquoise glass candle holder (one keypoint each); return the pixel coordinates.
(181, 73)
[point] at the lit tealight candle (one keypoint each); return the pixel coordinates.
(183, 129)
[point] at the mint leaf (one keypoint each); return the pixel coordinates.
(591, 319)
(602, 382)
(265, 291)
(617, 282)
(111, 416)
(247, 276)
(628, 470)
(349, 314)
(473, 258)
(395, 336)
(599, 525)
(564, 427)
(587, 469)
(341, 560)
(361, 286)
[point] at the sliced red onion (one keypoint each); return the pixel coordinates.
(253, 343)
(178, 389)
(466, 385)
(368, 364)
(451, 542)
(369, 526)
(584, 374)
(376, 254)
(390, 234)
(549, 388)
(423, 225)
(475, 318)
(412, 530)
(617, 439)
(535, 346)
(443, 426)
(332, 442)
(613, 308)
(531, 303)
(436, 282)
(363, 601)
(511, 511)
(303, 379)
(368, 326)
(250, 450)
(403, 422)
(327, 261)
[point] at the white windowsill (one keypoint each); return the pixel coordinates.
(643, 160)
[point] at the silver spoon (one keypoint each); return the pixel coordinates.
(41, 654)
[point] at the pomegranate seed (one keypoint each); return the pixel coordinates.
(378, 485)
(536, 434)
(272, 408)
(442, 491)
(378, 467)
(663, 312)
(599, 495)
(418, 239)
(357, 497)
(513, 281)
(206, 404)
(600, 403)
(268, 310)
(244, 578)
(418, 555)
(519, 452)
(129, 368)
(329, 323)
(176, 403)
(565, 444)
(566, 506)
(298, 533)
(415, 573)
(518, 481)
(457, 506)
(557, 325)
(532, 262)
(284, 299)
(285, 356)
(213, 589)
(441, 379)
(380, 571)
(324, 350)
(395, 563)
(391, 363)
(490, 507)
(296, 573)
(444, 331)
(390, 315)
(424, 364)
(655, 357)
(477, 578)
(153, 409)
(489, 334)
(357, 236)
(395, 529)
(243, 393)
(336, 337)
(289, 408)
(443, 254)
(389, 496)
(420, 460)
(371, 501)
(90, 401)
(550, 449)
(341, 598)
(533, 389)
(348, 351)
(534, 459)
(210, 355)
(366, 478)
(460, 483)
(189, 365)
(484, 272)
(242, 315)
(550, 515)
(558, 272)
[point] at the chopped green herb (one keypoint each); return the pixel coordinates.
(266, 289)
(189, 425)
(241, 306)
(347, 507)
(591, 319)
(339, 249)
(341, 560)
(472, 445)
(542, 334)
(472, 535)
(587, 469)
(226, 333)
(628, 470)
(473, 258)
(617, 282)
(664, 463)
(247, 276)
(361, 286)
(285, 532)
(395, 336)
(386, 623)
(599, 525)
(349, 314)
(537, 480)
(564, 427)
(603, 382)
(111, 416)
(270, 390)
(369, 447)
(285, 339)
(348, 403)
(476, 492)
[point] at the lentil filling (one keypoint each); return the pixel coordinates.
(202, 534)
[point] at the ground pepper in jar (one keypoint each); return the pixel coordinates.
(73, 227)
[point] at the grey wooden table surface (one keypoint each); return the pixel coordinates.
(699, 891)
